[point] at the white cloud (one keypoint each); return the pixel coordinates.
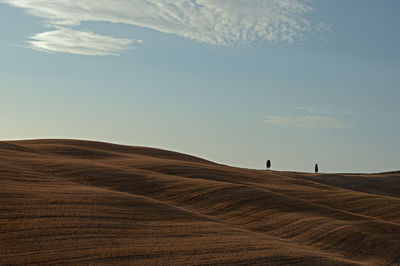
(219, 22)
(78, 42)
(305, 122)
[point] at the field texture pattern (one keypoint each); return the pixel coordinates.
(83, 202)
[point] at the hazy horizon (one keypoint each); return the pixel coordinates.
(235, 82)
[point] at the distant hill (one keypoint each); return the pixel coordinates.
(86, 202)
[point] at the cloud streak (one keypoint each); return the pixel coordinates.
(66, 40)
(313, 110)
(305, 122)
(216, 22)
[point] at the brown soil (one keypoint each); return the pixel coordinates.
(84, 202)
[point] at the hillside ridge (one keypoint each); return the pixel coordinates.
(117, 204)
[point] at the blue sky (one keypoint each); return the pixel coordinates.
(234, 81)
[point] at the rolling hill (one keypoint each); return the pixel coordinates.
(86, 202)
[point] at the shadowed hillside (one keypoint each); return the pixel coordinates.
(70, 201)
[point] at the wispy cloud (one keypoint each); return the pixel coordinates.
(306, 122)
(313, 110)
(347, 112)
(78, 42)
(218, 22)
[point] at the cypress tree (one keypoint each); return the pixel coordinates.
(316, 168)
(268, 164)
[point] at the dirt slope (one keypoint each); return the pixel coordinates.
(83, 202)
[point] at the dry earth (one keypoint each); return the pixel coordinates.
(83, 202)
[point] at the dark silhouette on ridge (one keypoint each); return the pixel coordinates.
(316, 168)
(268, 164)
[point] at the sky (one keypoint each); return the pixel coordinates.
(233, 81)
